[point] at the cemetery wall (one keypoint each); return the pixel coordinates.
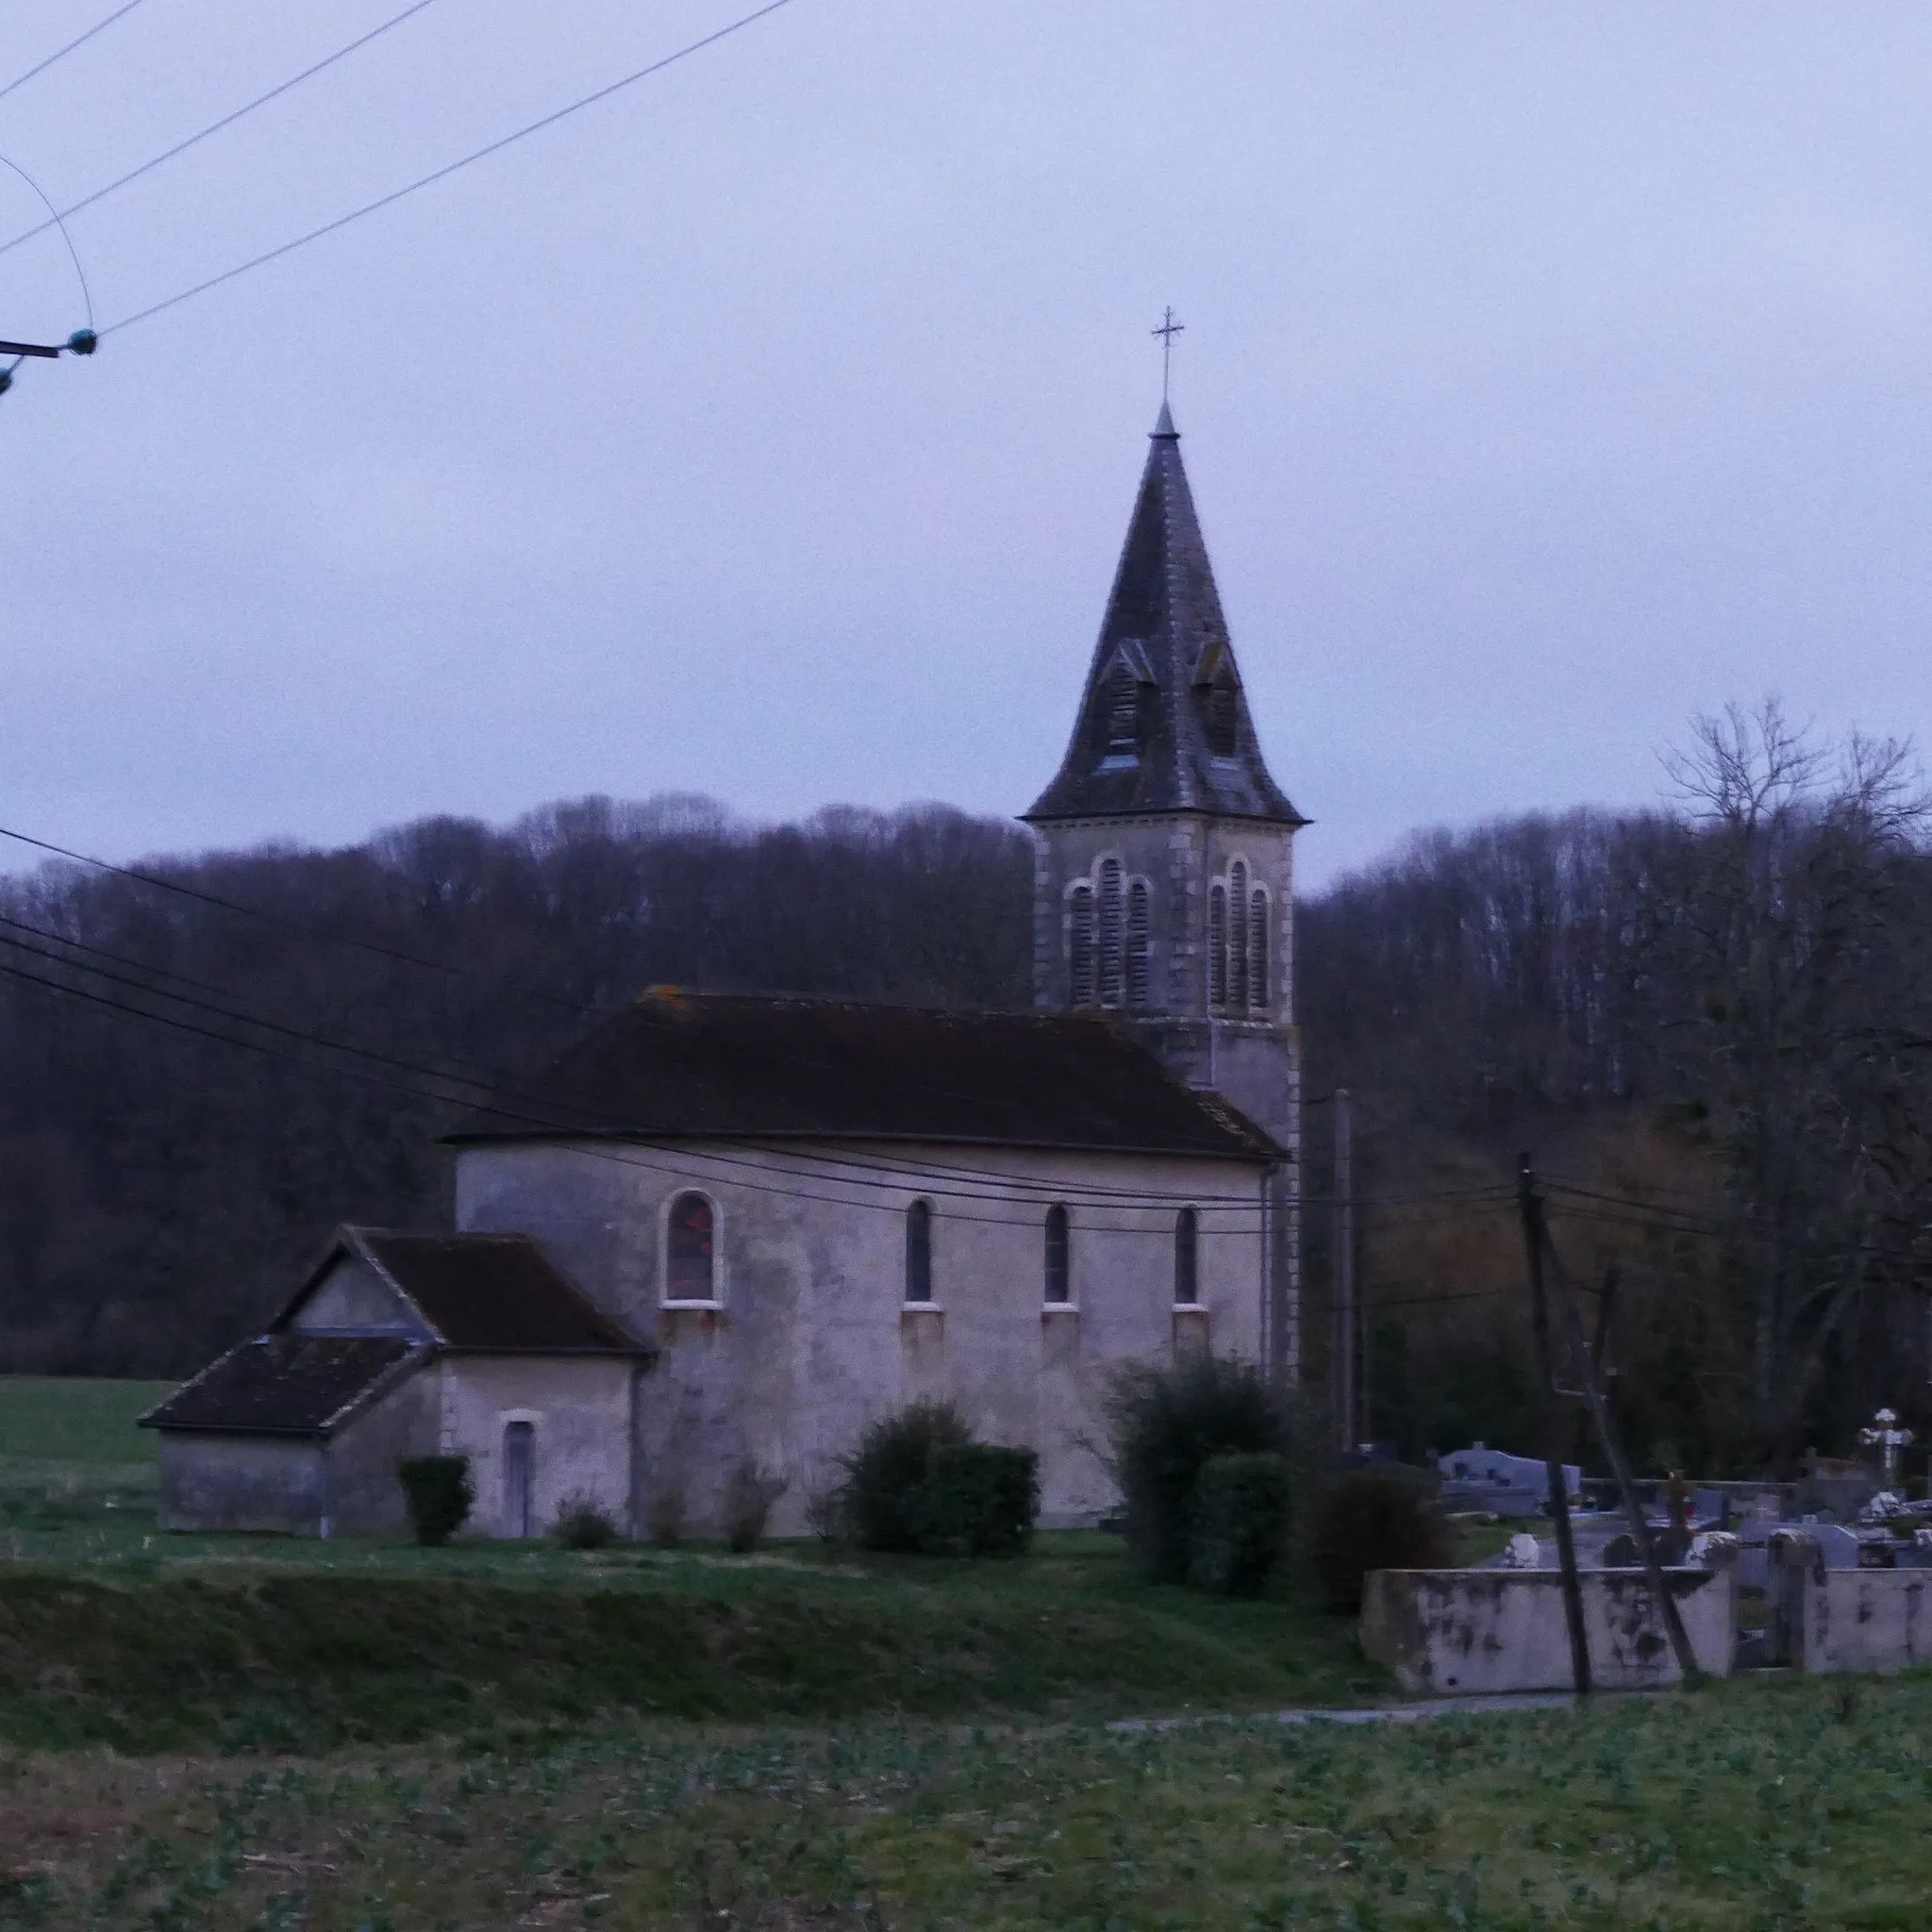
(1446, 1632)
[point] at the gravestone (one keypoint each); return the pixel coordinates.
(1491, 1480)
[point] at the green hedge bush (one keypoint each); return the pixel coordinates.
(1379, 1518)
(440, 1496)
(1166, 1423)
(885, 1477)
(978, 1500)
(1238, 1527)
(918, 1482)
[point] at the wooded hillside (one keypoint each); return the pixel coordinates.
(1718, 1014)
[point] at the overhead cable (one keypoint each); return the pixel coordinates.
(61, 53)
(181, 147)
(442, 174)
(307, 931)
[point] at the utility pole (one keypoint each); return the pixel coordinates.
(1553, 1428)
(83, 342)
(1346, 1420)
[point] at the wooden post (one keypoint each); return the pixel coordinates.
(1345, 1417)
(1606, 1434)
(1553, 1430)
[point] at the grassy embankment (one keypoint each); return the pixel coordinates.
(111, 1633)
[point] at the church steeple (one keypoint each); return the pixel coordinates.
(1163, 879)
(1163, 725)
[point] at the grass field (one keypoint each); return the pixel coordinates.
(69, 1418)
(1740, 1809)
(264, 1732)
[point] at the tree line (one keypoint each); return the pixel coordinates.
(1709, 1023)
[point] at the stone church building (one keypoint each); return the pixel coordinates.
(727, 1232)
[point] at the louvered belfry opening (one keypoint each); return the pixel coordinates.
(1217, 946)
(1081, 961)
(1238, 936)
(1123, 714)
(1257, 953)
(1112, 951)
(1137, 944)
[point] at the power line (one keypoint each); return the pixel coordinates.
(181, 147)
(495, 1084)
(395, 954)
(495, 1078)
(1230, 1208)
(61, 53)
(443, 173)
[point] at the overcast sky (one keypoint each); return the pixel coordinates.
(1550, 373)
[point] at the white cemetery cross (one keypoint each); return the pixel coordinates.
(1888, 1438)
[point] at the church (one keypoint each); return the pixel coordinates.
(724, 1233)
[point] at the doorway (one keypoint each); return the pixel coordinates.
(519, 1451)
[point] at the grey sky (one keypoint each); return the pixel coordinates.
(1551, 373)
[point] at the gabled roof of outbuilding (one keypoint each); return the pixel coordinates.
(1164, 631)
(287, 1385)
(679, 1065)
(493, 1292)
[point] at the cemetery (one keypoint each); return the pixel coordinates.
(1823, 1574)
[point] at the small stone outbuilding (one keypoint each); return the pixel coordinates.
(409, 1344)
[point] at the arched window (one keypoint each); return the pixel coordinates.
(1187, 1258)
(1222, 717)
(1122, 714)
(919, 1251)
(1238, 936)
(690, 1274)
(1257, 951)
(1136, 944)
(1058, 1243)
(1080, 949)
(1217, 946)
(1110, 946)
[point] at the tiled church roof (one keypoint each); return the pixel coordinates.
(679, 1065)
(1185, 746)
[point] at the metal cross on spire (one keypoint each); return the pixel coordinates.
(1167, 331)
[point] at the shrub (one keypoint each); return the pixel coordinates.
(977, 1500)
(440, 1496)
(1379, 1518)
(1166, 1423)
(883, 1495)
(748, 1498)
(824, 1512)
(1239, 1526)
(583, 1524)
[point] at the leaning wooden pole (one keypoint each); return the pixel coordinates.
(1552, 1430)
(1614, 1452)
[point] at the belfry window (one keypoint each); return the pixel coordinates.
(1058, 1273)
(1111, 955)
(689, 1273)
(1081, 964)
(919, 1251)
(1258, 951)
(1187, 1258)
(1217, 946)
(1238, 936)
(1136, 944)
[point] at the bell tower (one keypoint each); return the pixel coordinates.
(1163, 883)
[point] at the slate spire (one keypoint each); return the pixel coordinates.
(1163, 725)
